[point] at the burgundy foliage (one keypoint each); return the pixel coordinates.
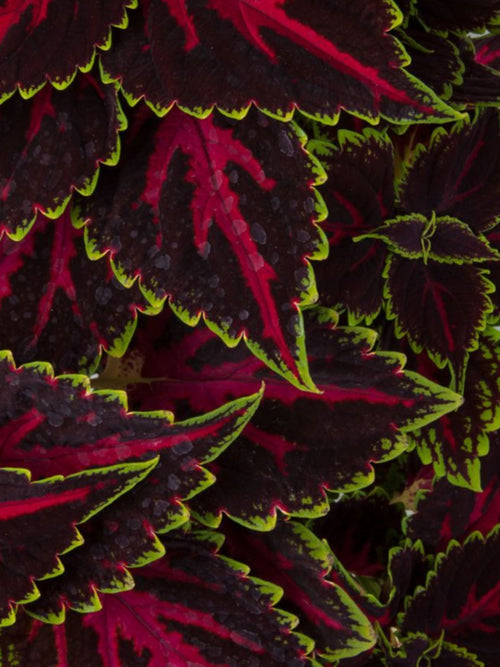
(271, 228)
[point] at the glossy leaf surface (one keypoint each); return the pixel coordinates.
(218, 216)
(57, 305)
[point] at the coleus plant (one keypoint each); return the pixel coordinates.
(250, 378)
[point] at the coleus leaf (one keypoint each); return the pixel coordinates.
(453, 305)
(292, 431)
(292, 557)
(39, 418)
(57, 305)
(192, 607)
(361, 528)
(447, 512)
(480, 83)
(456, 173)
(69, 33)
(488, 51)
(444, 239)
(38, 523)
(455, 443)
(435, 59)
(230, 53)
(461, 598)
(359, 195)
(219, 216)
(458, 15)
(52, 145)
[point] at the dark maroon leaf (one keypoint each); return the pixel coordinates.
(359, 195)
(292, 432)
(488, 51)
(317, 56)
(58, 306)
(452, 655)
(44, 40)
(219, 216)
(480, 83)
(38, 429)
(51, 145)
(435, 59)
(361, 528)
(455, 443)
(462, 15)
(292, 557)
(462, 598)
(38, 523)
(456, 174)
(442, 308)
(192, 607)
(448, 512)
(442, 239)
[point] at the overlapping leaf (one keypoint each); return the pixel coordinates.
(461, 598)
(38, 523)
(52, 145)
(447, 196)
(219, 216)
(359, 195)
(360, 529)
(297, 444)
(450, 512)
(37, 430)
(58, 306)
(292, 557)
(193, 607)
(455, 443)
(458, 15)
(440, 307)
(281, 56)
(44, 40)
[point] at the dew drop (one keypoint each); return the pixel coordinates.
(255, 261)
(239, 227)
(173, 482)
(274, 257)
(217, 179)
(182, 447)
(275, 203)
(233, 176)
(243, 314)
(213, 281)
(228, 204)
(258, 233)
(309, 205)
(162, 262)
(303, 236)
(103, 295)
(285, 143)
(204, 251)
